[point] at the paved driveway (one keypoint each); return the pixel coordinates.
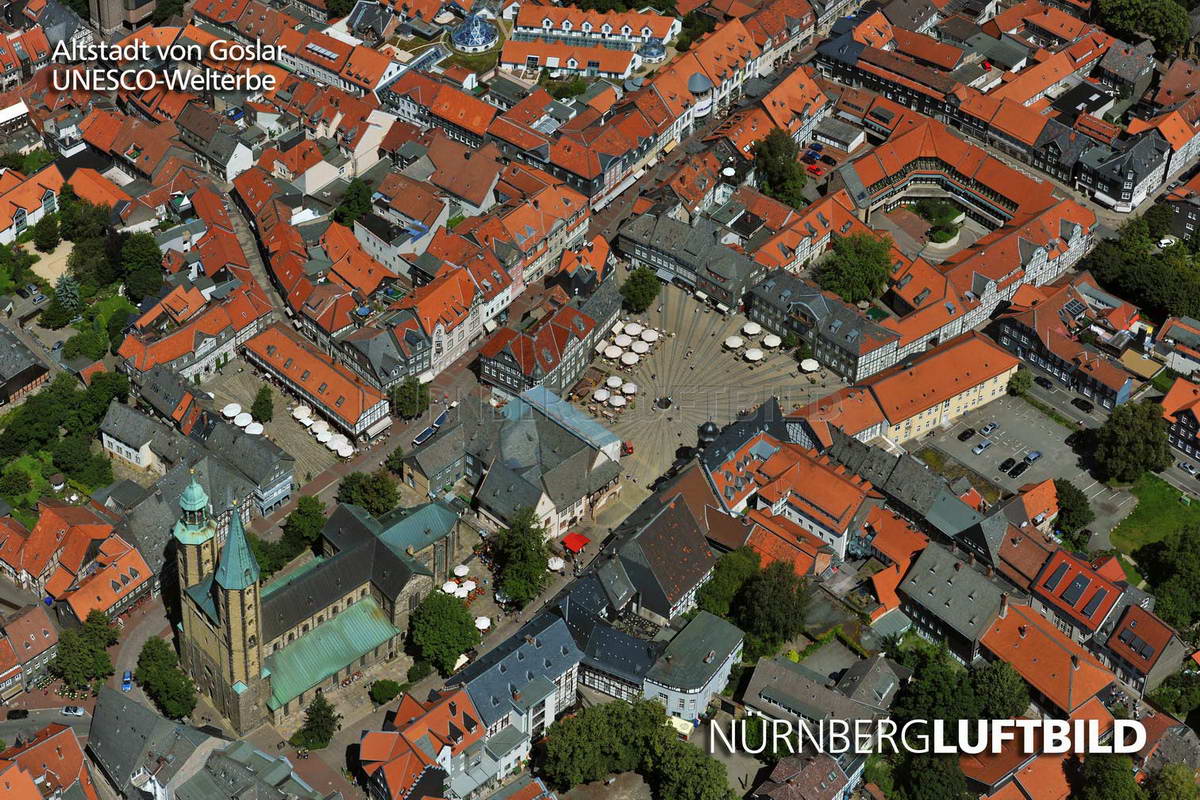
(1024, 428)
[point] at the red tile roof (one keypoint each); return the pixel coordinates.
(55, 760)
(1140, 638)
(1089, 596)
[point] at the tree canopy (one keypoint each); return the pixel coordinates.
(1133, 440)
(374, 491)
(1173, 782)
(857, 266)
(82, 655)
(355, 202)
(1107, 777)
(640, 289)
(521, 558)
(410, 399)
(321, 722)
(45, 233)
(1165, 21)
(1171, 567)
(1021, 382)
(441, 630)
(1074, 514)
(770, 607)
(1000, 690)
(730, 574)
(166, 684)
(141, 263)
(263, 407)
(302, 528)
(780, 173)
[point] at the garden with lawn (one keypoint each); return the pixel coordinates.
(944, 217)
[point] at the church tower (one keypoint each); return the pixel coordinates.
(235, 588)
(195, 537)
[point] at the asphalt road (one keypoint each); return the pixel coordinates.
(38, 719)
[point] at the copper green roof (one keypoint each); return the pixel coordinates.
(193, 497)
(237, 568)
(330, 647)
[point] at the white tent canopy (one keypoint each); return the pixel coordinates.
(333, 444)
(810, 365)
(752, 329)
(230, 411)
(771, 340)
(629, 388)
(650, 335)
(324, 436)
(641, 348)
(612, 351)
(600, 395)
(634, 328)
(600, 345)
(554, 563)
(462, 571)
(254, 429)
(482, 623)
(616, 401)
(734, 342)
(617, 328)
(301, 412)
(754, 354)
(319, 426)
(469, 585)
(614, 382)
(243, 419)
(629, 359)
(345, 452)
(449, 587)
(623, 340)
(461, 593)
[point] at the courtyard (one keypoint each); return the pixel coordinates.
(237, 382)
(705, 380)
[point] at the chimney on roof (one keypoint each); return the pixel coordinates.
(1022, 630)
(1074, 661)
(1003, 605)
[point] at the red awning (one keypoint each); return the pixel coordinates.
(575, 541)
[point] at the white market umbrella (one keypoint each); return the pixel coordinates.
(346, 451)
(319, 426)
(307, 422)
(324, 436)
(449, 587)
(634, 328)
(617, 328)
(338, 440)
(469, 585)
(809, 365)
(771, 340)
(230, 411)
(734, 342)
(600, 395)
(616, 401)
(629, 359)
(482, 623)
(614, 382)
(462, 571)
(243, 419)
(623, 341)
(641, 348)
(254, 429)
(650, 335)
(333, 444)
(752, 329)
(629, 388)
(554, 564)
(754, 354)
(301, 412)
(612, 351)
(461, 593)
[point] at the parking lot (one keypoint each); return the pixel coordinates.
(1022, 429)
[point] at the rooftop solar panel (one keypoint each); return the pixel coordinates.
(1095, 602)
(1053, 580)
(1075, 590)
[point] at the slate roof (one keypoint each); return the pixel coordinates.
(257, 457)
(952, 591)
(781, 689)
(15, 357)
(667, 557)
(692, 658)
(240, 770)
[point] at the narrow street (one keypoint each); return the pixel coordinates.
(246, 238)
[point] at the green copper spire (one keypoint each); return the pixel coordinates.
(237, 569)
(193, 497)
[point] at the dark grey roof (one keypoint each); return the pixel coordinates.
(953, 591)
(541, 650)
(1004, 52)
(909, 14)
(242, 771)
(1131, 160)
(835, 322)
(696, 247)
(164, 389)
(667, 557)
(605, 648)
(874, 680)
(126, 736)
(16, 358)
(257, 457)
(692, 658)
(783, 690)
(1128, 62)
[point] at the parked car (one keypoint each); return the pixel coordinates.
(1188, 467)
(830, 160)
(991, 426)
(57, 346)
(1085, 406)
(18, 713)
(1032, 456)
(39, 299)
(73, 711)
(1165, 242)
(23, 293)
(1044, 382)
(1007, 464)
(1018, 470)
(816, 146)
(809, 158)
(127, 681)
(966, 434)
(814, 170)
(979, 448)
(1073, 439)
(813, 154)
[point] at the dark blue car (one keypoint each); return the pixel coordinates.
(127, 681)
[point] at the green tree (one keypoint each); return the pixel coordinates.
(1165, 21)
(1001, 691)
(45, 233)
(410, 399)
(66, 292)
(1133, 440)
(603, 739)
(116, 329)
(355, 202)
(1107, 777)
(940, 689)
(164, 10)
(931, 777)
(384, 691)
(521, 558)
(640, 289)
(141, 265)
(15, 483)
(441, 629)
(375, 491)
(339, 8)
(770, 606)
(1021, 382)
(857, 266)
(1174, 782)
(88, 343)
(395, 461)
(263, 407)
(1179, 694)
(321, 722)
(79, 659)
(159, 674)
(730, 574)
(1074, 514)
(99, 629)
(1171, 567)
(302, 528)
(683, 771)
(777, 165)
